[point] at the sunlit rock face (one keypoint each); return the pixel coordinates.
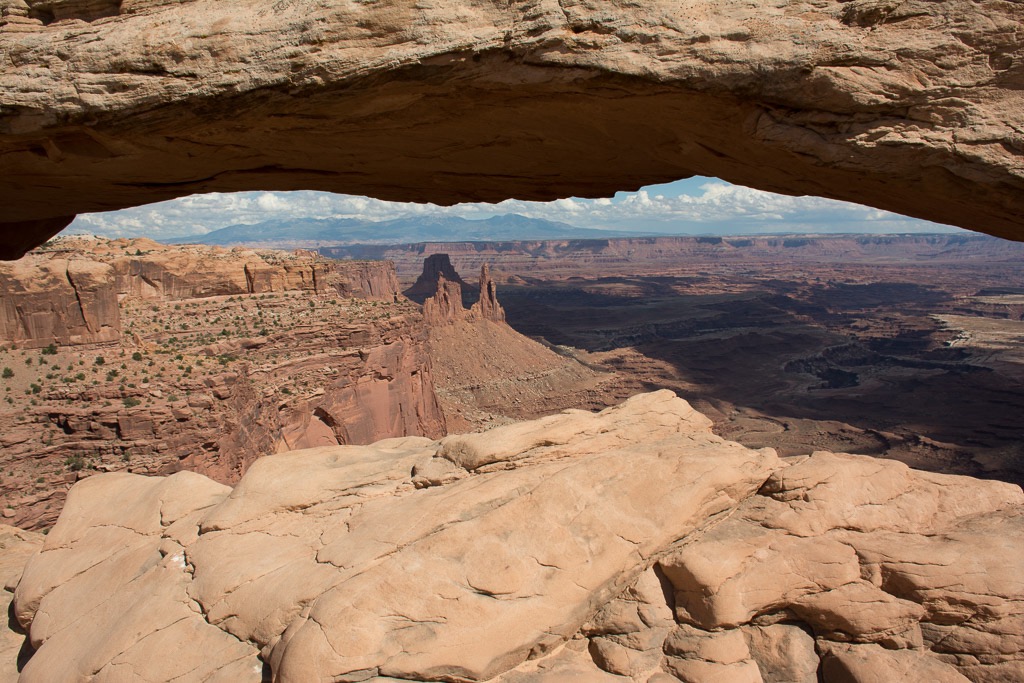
(631, 545)
(914, 107)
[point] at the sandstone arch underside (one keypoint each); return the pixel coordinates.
(915, 107)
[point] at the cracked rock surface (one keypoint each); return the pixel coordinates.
(630, 544)
(914, 107)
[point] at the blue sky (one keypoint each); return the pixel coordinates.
(698, 206)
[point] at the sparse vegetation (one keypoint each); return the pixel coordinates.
(75, 463)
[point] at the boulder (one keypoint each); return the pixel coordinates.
(631, 544)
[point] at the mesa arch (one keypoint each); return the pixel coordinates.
(915, 107)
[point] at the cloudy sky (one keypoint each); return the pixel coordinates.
(693, 206)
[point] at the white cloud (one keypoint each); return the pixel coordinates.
(693, 206)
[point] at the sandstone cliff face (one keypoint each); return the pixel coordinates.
(627, 545)
(656, 253)
(911, 107)
(16, 547)
(56, 297)
(375, 382)
(229, 354)
(433, 269)
(369, 280)
(345, 381)
(70, 301)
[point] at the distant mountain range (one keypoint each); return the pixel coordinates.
(305, 232)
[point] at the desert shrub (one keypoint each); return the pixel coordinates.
(130, 401)
(8, 373)
(75, 463)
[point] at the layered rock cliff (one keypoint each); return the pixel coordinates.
(627, 545)
(208, 359)
(58, 300)
(913, 107)
(433, 268)
(645, 254)
(71, 294)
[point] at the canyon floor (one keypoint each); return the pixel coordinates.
(904, 347)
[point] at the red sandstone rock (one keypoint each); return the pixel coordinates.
(445, 305)
(487, 306)
(435, 267)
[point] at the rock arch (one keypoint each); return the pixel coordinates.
(915, 107)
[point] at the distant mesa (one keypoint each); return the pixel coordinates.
(65, 295)
(435, 266)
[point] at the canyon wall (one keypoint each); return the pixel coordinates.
(67, 296)
(911, 107)
(70, 301)
(128, 355)
(522, 257)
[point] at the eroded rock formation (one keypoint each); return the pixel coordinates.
(201, 358)
(67, 301)
(433, 269)
(627, 545)
(71, 295)
(444, 286)
(486, 372)
(913, 107)
(487, 306)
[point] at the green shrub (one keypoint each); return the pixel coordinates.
(75, 463)
(130, 401)
(8, 373)
(50, 350)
